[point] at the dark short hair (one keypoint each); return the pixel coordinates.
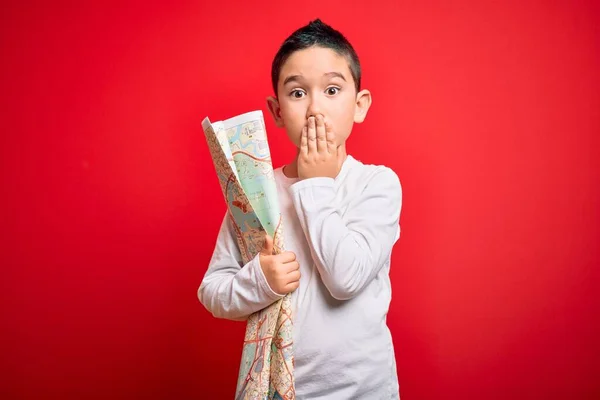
(316, 34)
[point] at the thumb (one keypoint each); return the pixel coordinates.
(267, 249)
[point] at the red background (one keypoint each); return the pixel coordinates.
(490, 115)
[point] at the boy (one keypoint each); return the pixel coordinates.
(341, 221)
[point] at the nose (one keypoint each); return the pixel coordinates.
(314, 107)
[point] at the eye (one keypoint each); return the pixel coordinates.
(332, 91)
(297, 93)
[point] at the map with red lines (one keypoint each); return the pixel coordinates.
(242, 160)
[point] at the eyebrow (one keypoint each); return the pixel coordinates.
(298, 78)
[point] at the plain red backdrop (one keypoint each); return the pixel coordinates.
(489, 113)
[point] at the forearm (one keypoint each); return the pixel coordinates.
(230, 289)
(235, 293)
(350, 251)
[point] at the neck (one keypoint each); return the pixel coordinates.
(291, 170)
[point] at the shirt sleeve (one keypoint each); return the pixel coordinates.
(230, 289)
(350, 252)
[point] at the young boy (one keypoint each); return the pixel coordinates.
(341, 221)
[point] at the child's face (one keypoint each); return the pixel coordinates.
(317, 81)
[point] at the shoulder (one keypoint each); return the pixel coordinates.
(369, 177)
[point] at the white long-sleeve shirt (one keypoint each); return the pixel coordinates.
(342, 231)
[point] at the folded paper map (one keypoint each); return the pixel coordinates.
(242, 160)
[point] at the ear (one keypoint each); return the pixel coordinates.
(275, 110)
(363, 102)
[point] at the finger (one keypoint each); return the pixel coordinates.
(321, 135)
(290, 287)
(304, 141)
(267, 248)
(330, 137)
(293, 276)
(312, 136)
(291, 267)
(286, 257)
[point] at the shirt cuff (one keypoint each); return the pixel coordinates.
(312, 182)
(312, 196)
(262, 280)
